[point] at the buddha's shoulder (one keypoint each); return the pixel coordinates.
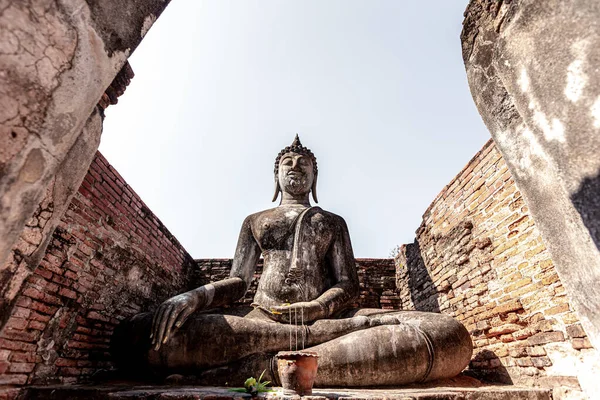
(331, 217)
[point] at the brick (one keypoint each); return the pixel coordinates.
(23, 301)
(16, 345)
(533, 252)
(29, 335)
(541, 362)
(524, 362)
(21, 357)
(544, 325)
(65, 362)
(535, 351)
(502, 330)
(557, 309)
(550, 279)
(13, 379)
(520, 283)
(4, 354)
(67, 293)
(44, 273)
(43, 308)
(569, 318)
(40, 326)
(581, 343)
(546, 265)
(514, 305)
(546, 337)
(16, 323)
(4, 367)
(21, 367)
(97, 316)
(576, 331)
(517, 352)
(35, 316)
(507, 338)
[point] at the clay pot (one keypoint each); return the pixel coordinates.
(297, 371)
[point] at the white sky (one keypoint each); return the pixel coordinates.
(377, 89)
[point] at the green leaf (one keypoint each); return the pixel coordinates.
(250, 382)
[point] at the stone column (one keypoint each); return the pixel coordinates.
(533, 70)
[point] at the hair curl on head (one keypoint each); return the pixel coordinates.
(296, 147)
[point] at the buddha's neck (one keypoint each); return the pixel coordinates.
(291, 199)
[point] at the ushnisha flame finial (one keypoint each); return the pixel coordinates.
(296, 147)
(296, 142)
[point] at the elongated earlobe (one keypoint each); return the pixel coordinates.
(277, 189)
(314, 189)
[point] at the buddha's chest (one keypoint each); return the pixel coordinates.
(276, 230)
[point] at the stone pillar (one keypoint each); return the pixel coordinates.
(57, 57)
(533, 70)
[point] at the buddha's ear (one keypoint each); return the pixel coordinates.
(277, 189)
(314, 189)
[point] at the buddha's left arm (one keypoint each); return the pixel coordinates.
(343, 264)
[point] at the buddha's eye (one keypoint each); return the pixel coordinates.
(287, 161)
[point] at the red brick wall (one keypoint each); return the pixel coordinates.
(109, 259)
(376, 277)
(479, 257)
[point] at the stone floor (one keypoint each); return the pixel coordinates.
(128, 392)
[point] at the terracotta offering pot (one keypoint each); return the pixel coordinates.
(297, 371)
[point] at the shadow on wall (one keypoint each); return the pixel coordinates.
(487, 367)
(587, 203)
(423, 293)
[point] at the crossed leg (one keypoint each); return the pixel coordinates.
(370, 347)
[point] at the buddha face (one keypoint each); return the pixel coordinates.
(296, 173)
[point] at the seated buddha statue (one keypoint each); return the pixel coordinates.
(308, 285)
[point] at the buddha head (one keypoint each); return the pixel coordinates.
(296, 171)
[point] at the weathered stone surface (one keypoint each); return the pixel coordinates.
(531, 71)
(49, 52)
(576, 331)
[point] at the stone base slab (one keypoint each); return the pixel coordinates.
(129, 392)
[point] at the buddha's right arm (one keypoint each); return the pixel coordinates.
(244, 262)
